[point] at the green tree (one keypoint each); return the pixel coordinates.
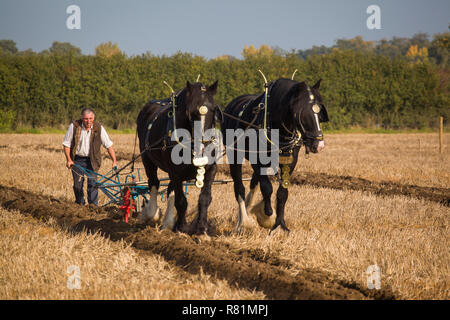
(439, 49)
(8, 47)
(64, 48)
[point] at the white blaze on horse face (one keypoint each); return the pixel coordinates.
(203, 111)
(170, 215)
(317, 121)
(199, 132)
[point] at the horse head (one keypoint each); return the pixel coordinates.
(201, 115)
(308, 110)
(200, 105)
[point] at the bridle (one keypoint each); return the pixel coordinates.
(198, 158)
(316, 110)
(202, 109)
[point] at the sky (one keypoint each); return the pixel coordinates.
(212, 28)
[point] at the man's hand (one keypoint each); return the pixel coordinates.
(112, 154)
(69, 164)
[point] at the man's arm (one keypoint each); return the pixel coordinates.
(112, 154)
(66, 146)
(107, 143)
(69, 161)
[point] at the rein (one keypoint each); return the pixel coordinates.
(172, 99)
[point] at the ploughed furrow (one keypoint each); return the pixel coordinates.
(242, 269)
(384, 188)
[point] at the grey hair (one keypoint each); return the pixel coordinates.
(87, 110)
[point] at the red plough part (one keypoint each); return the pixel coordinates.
(128, 204)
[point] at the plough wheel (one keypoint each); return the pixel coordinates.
(128, 204)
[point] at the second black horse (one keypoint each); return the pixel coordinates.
(294, 109)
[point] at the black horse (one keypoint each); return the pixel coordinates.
(295, 110)
(159, 127)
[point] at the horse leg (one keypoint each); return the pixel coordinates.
(151, 212)
(204, 200)
(170, 216)
(180, 206)
(251, 194)
(282, 196)
(263, 210)
(239, 193)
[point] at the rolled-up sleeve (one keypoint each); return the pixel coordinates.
(106, 141)
(68, 137)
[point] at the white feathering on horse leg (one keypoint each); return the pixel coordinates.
(170, 215)
(151, 212)
(264, 220)
(244, 221)
(249, 197)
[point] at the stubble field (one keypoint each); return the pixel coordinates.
(366, 200)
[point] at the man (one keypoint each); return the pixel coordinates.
(82, 147)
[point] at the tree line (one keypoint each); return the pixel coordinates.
(362, 85)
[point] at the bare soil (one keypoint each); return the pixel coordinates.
(384, 188)
(251, 269)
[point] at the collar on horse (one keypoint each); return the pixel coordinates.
(295, 137)
(171, 127)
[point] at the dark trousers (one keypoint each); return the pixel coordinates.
(78, 182)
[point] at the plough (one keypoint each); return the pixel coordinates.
(128, 191)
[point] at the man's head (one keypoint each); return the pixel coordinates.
(87, 116)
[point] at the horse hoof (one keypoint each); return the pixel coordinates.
(264, 220)
(145, 217)
(199, 238)
(196, 228)
(244, 226)
(199, 231)
(168, 224)
(283, 227)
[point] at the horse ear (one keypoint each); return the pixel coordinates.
(213, 88)
(317, 85)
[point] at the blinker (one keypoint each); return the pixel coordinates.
(203, 110)
(316, 108)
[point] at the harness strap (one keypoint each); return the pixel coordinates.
(150, 125)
